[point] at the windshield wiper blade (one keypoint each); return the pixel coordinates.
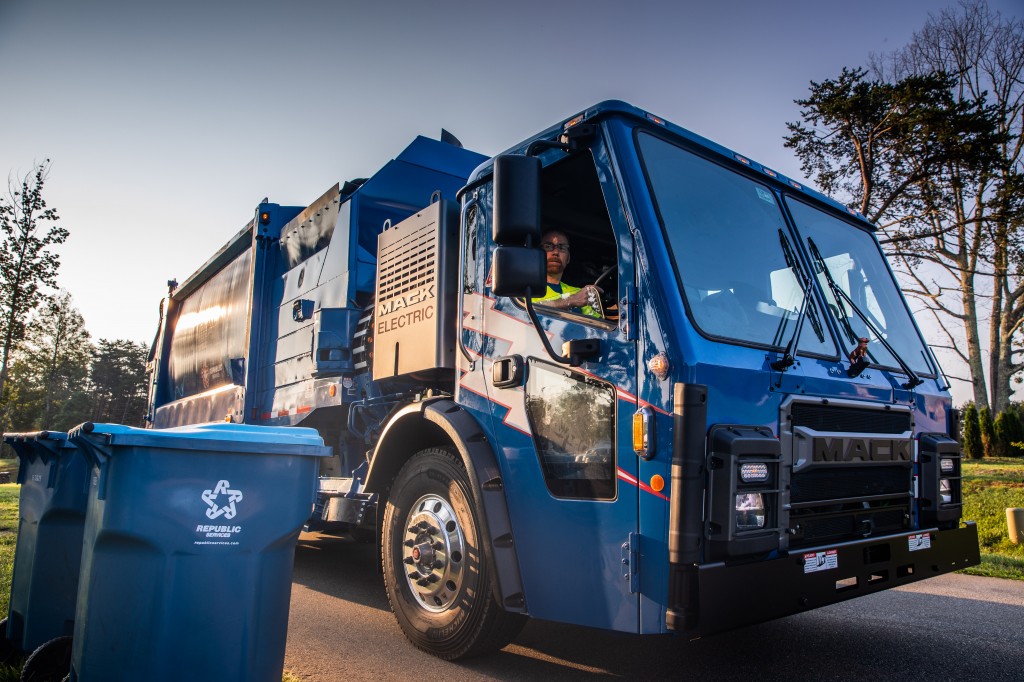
(912, 379)
(789, 355)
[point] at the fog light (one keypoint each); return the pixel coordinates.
(948, 466)
(753, 473)
(945, 491)
(749, 511)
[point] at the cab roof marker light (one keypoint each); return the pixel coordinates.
(655, 119)
(573, 121)
(742, 159)
(770, 172)
(796, 184)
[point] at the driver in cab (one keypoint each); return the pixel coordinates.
(559, 295)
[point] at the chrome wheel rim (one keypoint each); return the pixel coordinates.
(433, 553)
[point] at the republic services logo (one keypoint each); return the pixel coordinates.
(214, 498)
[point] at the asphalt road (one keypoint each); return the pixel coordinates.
(947, 628)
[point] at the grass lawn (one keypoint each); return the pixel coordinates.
(8, 537)
(990, 486)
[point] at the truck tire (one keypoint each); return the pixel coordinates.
(435, 569)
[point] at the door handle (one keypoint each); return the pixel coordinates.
(508, 372)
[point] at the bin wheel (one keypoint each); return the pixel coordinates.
(49, 663)
(437, 578)
(8, 652)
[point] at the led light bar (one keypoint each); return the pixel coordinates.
(754, 472)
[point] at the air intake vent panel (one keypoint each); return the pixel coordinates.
(845, 419)
(414, 310)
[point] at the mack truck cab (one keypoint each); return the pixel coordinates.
(754, 426)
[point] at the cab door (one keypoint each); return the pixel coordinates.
(563, 432)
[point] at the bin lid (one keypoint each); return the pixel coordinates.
(11, 437)
(49, 445)
(220, 436)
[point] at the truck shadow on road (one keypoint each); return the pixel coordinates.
(340, 567)
(890, 635)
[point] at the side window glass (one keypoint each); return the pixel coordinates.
(579, 243)
(573, 417)
(469, 248)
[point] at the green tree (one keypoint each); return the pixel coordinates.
(29, 229)
(988, 433)
(972, 432)
(118, 378)
(984, 52)
(1016, 429)
(21, 399)
(50, 373)
(1004, 434)
(921, 149)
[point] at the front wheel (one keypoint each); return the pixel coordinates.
(438, 580)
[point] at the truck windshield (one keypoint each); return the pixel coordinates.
(723, 230)
(857, 267)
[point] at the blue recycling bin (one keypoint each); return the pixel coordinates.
(54, 477)
(188, 550)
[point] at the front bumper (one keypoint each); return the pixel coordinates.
(718, 597)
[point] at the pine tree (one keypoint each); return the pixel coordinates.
(972, 432)
(50, 372)
(118, 378)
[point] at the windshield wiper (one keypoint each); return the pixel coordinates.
(840, 296)
(789, 355)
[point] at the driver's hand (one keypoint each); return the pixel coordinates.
(588, 295)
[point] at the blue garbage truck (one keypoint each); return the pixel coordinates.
(617, 376)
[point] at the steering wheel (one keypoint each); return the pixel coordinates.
(609, 302)
(607, 271)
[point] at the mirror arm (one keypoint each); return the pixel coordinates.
(539, 145)
(572, 362)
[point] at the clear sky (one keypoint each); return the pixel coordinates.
(168, 122)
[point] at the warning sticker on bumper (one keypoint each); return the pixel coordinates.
(821, 561)
(919, 541)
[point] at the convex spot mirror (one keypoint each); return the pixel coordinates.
(519, 272)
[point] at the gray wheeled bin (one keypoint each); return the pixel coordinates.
(54, 478)
(188, 551)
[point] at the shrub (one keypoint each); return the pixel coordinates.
(988, 432)
(972, 438)
(1004, 429)
(1016, 416)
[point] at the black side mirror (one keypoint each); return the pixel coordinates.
(516, 200)
(516, 269)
